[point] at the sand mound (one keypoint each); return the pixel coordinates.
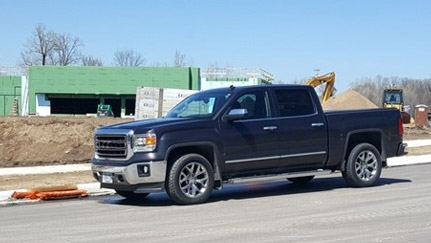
(348, 99)
(30, 141)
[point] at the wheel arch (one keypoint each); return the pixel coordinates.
(371, 136)
(208, 150)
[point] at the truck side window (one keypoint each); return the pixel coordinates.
(256, 103)
(294, 102)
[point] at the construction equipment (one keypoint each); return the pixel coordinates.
(328, 79)
(393, 98)
(104, 111)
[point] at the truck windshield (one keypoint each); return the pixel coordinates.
(200, 105)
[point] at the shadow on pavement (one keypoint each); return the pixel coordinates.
(247, 191)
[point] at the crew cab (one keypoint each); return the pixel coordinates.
(241, 135)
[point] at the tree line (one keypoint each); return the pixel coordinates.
(47, 47)
(415, 91)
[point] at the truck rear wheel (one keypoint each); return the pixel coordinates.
(190, 179)
(363, 167)
(301, 180)
(131, 195)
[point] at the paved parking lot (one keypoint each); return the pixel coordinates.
(326, 210)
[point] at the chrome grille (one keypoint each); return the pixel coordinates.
(111, 146)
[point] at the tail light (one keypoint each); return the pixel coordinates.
(400, 126)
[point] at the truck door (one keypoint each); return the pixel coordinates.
(302, 128)
(250, 143)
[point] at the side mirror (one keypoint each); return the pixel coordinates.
(236, 114)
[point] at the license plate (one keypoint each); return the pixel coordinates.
(106, 179)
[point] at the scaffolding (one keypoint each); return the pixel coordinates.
(236, 72)
(13, 71)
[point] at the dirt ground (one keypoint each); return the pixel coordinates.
(412, 133)
(31, 141)
(418, 150)
(57, 179)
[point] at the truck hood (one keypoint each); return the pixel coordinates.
(143, 126)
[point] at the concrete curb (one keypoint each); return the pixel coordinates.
(418, 143)
(409, 160)
(93, 189)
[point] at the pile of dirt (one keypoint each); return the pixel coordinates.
(347, 100)
(30, 141)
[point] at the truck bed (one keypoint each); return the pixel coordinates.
(345, 123)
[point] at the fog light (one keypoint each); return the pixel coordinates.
(144, 170)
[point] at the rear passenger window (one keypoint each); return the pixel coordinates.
(294, 102)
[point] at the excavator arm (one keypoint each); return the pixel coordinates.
(328, 79)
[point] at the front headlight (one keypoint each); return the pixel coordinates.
(144, 142)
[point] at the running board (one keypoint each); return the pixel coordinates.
(277, 177)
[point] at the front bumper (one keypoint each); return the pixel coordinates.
(143, 177)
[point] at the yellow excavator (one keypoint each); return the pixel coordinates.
(328, 79)
(393, 98)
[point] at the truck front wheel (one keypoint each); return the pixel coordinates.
(363, 167)
(190, 179)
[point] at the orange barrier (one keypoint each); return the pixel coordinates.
(20, 195)
(47, 193)
(53, 188)
(61, 194)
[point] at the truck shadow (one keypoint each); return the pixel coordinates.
(248, 191)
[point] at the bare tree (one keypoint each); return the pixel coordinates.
(67, 49)
(46, 47)
(128, 58)
(416, 91)
(91, 61)
(159, 64)
(179, 59)
(39, 47)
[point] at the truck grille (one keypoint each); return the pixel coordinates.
(111, 146)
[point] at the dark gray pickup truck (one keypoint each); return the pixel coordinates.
(242, 135)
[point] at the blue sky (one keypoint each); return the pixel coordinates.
(355, 39)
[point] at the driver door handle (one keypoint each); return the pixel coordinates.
(317, 124)
(270, 128)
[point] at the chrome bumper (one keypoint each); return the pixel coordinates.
(128, 177)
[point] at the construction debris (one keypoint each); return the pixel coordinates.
(347, 100)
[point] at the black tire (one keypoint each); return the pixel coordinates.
(301, 180)
(199, 182)
(131, 195)
(363, 167)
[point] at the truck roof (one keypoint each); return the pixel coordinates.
(241, 88)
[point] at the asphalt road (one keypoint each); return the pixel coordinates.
(326, 210)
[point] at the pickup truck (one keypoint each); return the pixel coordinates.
(242, 135)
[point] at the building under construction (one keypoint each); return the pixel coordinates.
(68, 90)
